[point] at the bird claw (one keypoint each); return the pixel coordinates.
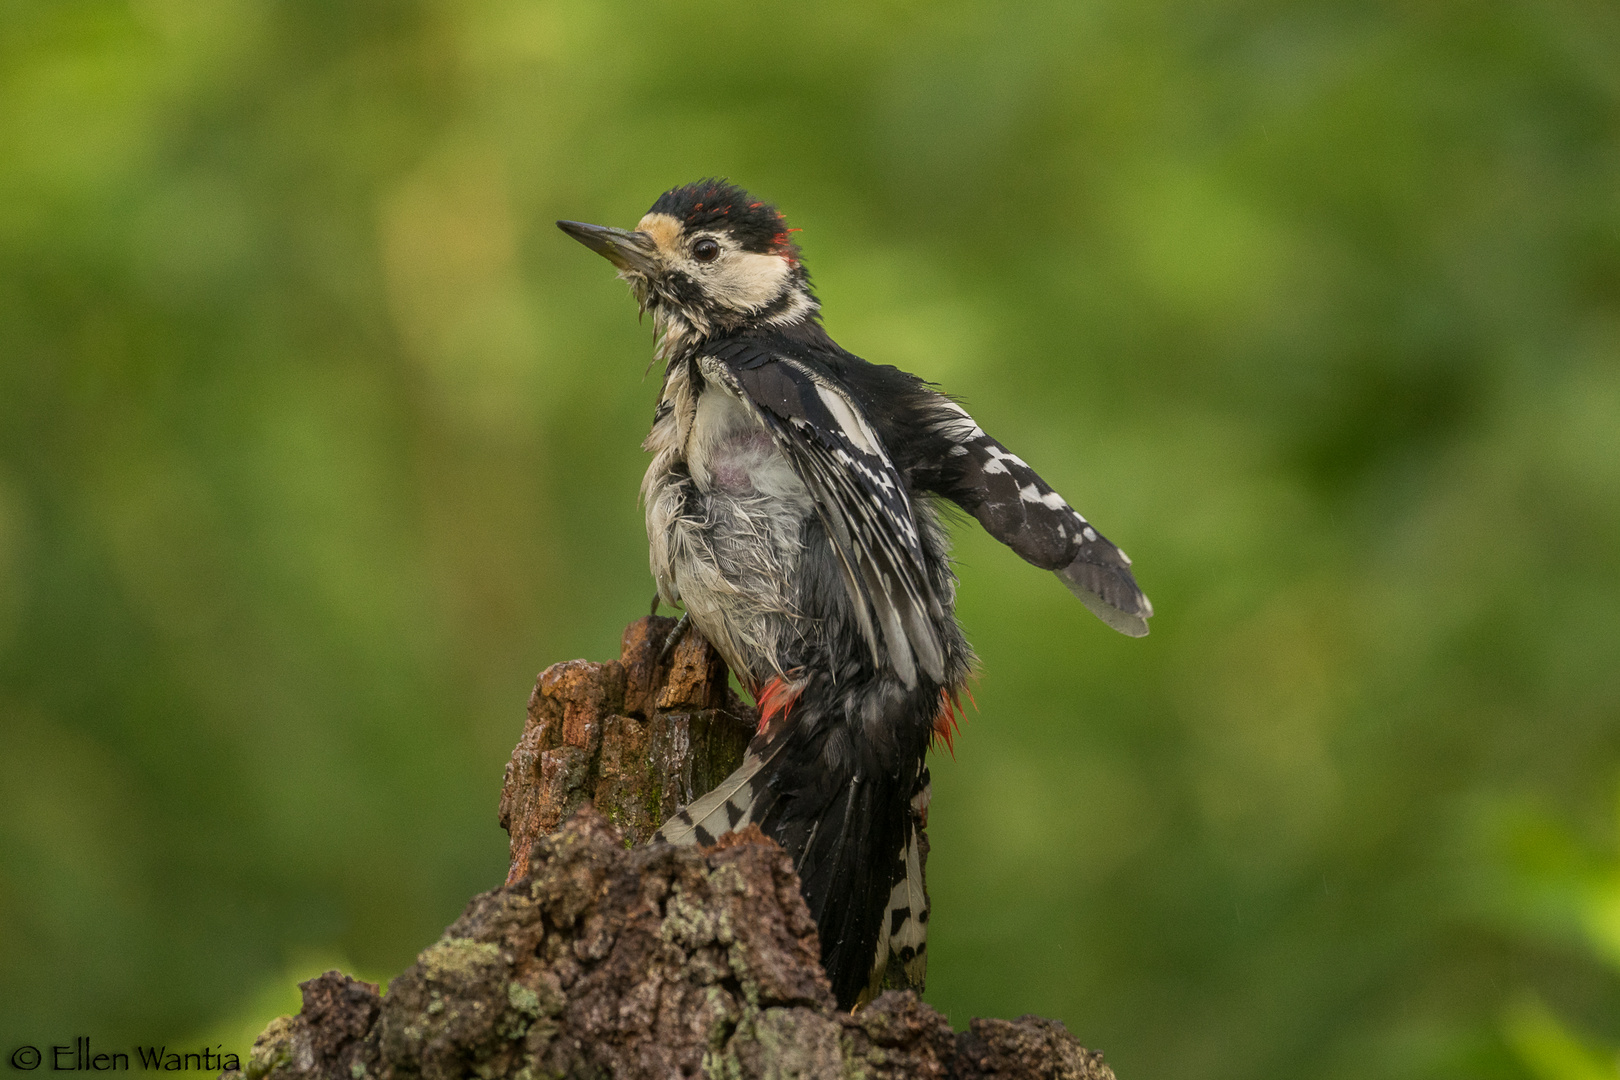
(667, 653)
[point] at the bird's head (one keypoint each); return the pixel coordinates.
(708, 257)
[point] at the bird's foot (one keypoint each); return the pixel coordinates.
(667, 653)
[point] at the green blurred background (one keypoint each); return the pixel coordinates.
(318, 441)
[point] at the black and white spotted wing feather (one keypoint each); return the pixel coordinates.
(1021, 510)
(860, 497)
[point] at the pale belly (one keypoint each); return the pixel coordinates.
(726, 533)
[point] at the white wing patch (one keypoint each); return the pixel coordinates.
(851, 423)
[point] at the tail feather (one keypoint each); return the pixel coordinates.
(903, 933)
(741, 798)
(851, 815)
(847, 853)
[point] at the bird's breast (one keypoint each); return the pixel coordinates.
(725, 524)
(729, 452)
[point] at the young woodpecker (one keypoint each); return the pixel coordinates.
(790, 509)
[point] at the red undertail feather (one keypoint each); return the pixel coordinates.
(777, 699)
(950, 717)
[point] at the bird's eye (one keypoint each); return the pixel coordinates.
(705, 250)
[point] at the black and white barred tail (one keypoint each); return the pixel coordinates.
(903, 936)
(855, 835)
(741, 799)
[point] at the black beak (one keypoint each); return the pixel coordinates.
(632, 251)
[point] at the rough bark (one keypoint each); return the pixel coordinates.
(637, 736)
(604, 958)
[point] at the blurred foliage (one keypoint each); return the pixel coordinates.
(1550, 1051)
(317, 441)
(1563, 891)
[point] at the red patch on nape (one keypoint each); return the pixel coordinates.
(782, 243)
(776, 699)
(950, 718)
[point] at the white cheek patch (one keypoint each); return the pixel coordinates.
(799, 306)
(747, 280)
(740, 280)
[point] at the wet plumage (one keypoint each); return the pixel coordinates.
(791, 509)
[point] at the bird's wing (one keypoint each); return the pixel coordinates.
(860, 497)
(1021, 510)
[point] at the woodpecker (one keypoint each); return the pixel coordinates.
(792, 508)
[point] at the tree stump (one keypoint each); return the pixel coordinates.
(605, 957)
